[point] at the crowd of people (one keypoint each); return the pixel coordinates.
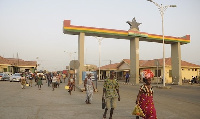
(111, 94)
(53, 79)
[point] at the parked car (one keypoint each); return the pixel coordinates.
(9, 73)
(4, 77)
(15, 77)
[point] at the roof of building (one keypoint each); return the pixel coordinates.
(152, 63)
(4, 61)
(109, 67)
(17, 62)
(20, 62)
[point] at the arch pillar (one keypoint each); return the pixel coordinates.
(134, 60)
(176, 63)
(81, 39)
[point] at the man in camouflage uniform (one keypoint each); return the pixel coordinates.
(110, 93)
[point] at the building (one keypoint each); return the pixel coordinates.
(156, 66)
(105, 70)
(5, 65)
(14, 65)
(90, 67)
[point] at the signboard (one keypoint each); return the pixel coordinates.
(93, 75)
(74, 64)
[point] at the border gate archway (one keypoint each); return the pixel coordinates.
(134, 35)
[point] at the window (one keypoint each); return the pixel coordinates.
(5, 70)
(159, 73)
(170, 73)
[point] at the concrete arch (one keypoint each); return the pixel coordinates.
(134, 36)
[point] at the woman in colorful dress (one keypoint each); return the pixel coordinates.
(71, 83)
(89, 87)
(145, 100)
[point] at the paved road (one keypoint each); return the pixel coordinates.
(180, 102)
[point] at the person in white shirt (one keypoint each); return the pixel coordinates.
(54, 81)
(89, 87)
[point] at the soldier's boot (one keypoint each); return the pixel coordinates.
(111, 113)
(104, 115)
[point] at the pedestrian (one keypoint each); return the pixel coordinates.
(58, 80)
(30, 79)
(45, 77)
(110, 94)
(23, 81)
(145, 100)
(54, 81)
(49, 79)
(36, 78)
(64, 77)
(89, 87)
(71, 83)
(39, 81)
(192, 81)
(127, 77)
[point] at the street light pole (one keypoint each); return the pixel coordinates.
(162, 10)
(99, 40)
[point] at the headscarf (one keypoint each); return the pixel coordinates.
(148, 74)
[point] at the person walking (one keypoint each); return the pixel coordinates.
(71, 83)
(36, 78)
(58, 80)
(49, 79)
(30, 79)
(39, 81)
(145, 100)
(54, 81)
(64, 77)
(110, 94)
(89, 87)
(23, 81)
(127, 77)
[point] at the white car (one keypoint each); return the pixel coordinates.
(4, 77)
(15, 77)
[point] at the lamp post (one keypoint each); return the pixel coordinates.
(38, 64)
(99, 40)
(162, 10)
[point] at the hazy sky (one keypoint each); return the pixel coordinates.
(33, 28)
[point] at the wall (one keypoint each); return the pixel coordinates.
(187, 73)
(3, 67)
